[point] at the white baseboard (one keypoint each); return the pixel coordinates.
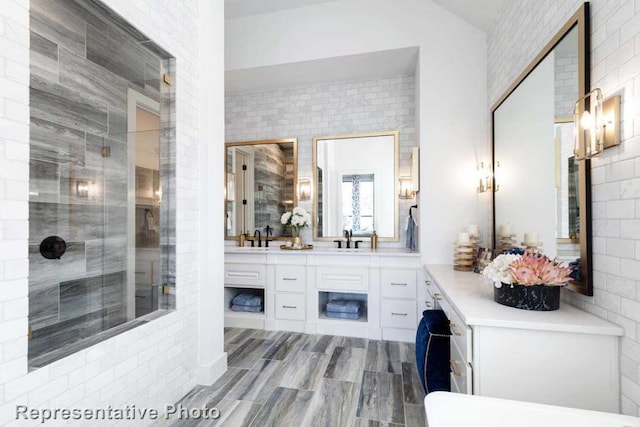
(208, 374)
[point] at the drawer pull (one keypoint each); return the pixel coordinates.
(243, 275)
(427, 303)
(452, 362)
(453, 329)
(289, 306)
(437, 297)
(399, 314)
(398, 284)
(289, 278)
(427, 282)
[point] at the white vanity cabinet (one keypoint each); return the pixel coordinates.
(399, 312)
(566, 357)
(290, 285)
(245, 274)
(297, 286)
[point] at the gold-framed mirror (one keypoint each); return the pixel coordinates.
(356, 186)
(539, 187)
(260, 185)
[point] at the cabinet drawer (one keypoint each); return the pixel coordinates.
(290, 278)
(342, 278)
(245, 274)
(460, 372)
(398, 314)
(398, 283)
(290, 306)
(461, 334)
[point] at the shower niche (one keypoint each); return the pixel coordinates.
(102, 178)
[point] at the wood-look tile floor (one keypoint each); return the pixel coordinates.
(282, 379)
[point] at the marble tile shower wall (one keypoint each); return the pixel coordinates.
(269, 176)
(523, 28)
(82, 63)
(154, 363)
(326, 109)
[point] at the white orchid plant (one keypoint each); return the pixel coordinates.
(296, 219)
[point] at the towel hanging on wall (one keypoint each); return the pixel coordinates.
(411, 230)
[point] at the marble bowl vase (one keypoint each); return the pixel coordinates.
(536, 297)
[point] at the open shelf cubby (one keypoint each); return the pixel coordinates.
(325, 296)
(230, 292)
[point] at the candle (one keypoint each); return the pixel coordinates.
(531, 239)
(505, 230)
(473, 229)
(463, 238)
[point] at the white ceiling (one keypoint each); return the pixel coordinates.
(239, 8)
(479, 13)
(396, 62)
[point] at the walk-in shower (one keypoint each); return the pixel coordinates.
(102, 177)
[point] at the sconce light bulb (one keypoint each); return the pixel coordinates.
(587, 120)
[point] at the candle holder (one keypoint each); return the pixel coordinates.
(532, 247)
(464, 256)
(505, 242)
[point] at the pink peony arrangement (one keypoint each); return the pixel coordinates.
(528, 269)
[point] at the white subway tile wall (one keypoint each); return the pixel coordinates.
(523, 28)
(149, 366)
(374, 105)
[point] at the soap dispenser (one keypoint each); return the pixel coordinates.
(374, 241)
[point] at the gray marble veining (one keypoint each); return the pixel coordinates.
(106, 255)
(305, 371)
(116, 54)
(289, 391)
(78, 106)
(236, 413)
(43, 340)
(74, 223)
(285, 345)
(44, 306)
(57, 21)
(247, 355)
(86, 295)
(333, 404)
(117, 124)
(383, 356)
(415, 414)
(92, 81)
(285, 408)
(346, 364)
(55, 143)
(43, 57)
(44, 272)
(381, 397)
(44, 181)
(413, 392)
(56, 103)
(259, 382)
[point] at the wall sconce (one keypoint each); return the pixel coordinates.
(406, 188)
(596, 127)
(82, 189)
(485, 178)
(304, 189)
(497, 176)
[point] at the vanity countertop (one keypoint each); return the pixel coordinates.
(321, 250)
(455, 409)
(473, 299)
